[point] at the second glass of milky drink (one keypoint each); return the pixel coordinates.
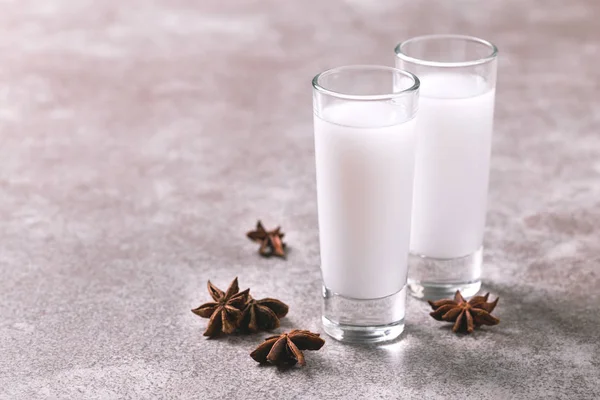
(456, 109)
(364, 126)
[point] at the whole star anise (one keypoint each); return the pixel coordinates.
(287, 348)
(225, 312)
(466, 315)
(270, 241)
(262, 314)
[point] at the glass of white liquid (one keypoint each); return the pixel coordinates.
(364, 120)
(454, 129)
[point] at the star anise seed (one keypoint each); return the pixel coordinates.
(262, 314)
(270, 241)
(287, 348)
(466, 315)
(225, 312)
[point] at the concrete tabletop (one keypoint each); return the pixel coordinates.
(140, 140)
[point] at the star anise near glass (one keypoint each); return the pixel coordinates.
(262, 314)
(270, 241)
(225, 312)
(287, 348)
(466, 315)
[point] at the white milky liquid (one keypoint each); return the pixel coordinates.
(364, 185)
(454, 128)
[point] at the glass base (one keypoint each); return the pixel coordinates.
(363, 320)
(438, 278)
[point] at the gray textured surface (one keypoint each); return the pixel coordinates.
(139, 140)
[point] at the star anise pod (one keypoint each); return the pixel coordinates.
(466, 315)
(270, 241)
(287, 348)
(225, 312)
(262, 314)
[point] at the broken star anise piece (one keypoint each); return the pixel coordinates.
(225, 312)
(466, 315)
(287, 348)
(262, 314)
(270, 241)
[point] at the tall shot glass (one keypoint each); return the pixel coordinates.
(364, 126)
(456, 112)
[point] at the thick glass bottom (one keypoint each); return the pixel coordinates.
(363, 320)
(437, 278)
(362, 334)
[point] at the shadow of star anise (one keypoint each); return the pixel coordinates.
(271, 243)
(286, 349)
(262, 314)
(466, 315)
(225, 312)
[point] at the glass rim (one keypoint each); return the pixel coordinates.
(366, 97)
(429, 63)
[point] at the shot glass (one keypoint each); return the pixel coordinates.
(364, 126)
(454, 129)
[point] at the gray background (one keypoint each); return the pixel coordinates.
(140, 140)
